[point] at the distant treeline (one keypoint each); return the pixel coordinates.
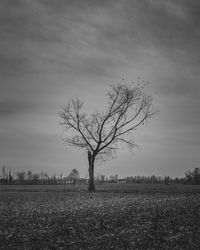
(30, 178)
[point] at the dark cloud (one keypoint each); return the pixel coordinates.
(13, 64)
(11, 107)
(79, 34)
(27, 21)
(51, 49)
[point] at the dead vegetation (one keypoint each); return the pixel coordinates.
(102, 220)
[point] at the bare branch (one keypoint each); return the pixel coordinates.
(128, 108)
(72, 118)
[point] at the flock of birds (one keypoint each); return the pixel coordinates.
(141, 83)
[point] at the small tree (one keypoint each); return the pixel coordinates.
(101, 133)
(29, 176)
(74, 175)
(21, 176)
(102, 178)
(193, 177)
(10, 177)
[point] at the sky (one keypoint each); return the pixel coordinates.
(51, 51)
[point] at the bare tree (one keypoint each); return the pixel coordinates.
(101, 133)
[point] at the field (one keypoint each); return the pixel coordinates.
(117, 216)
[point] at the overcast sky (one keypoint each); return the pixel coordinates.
(51, 51)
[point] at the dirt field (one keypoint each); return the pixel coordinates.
(117, 216)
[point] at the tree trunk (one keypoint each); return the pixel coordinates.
(91, 185)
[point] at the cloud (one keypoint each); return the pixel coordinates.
(53, 50)
(176, 9)
(11, 107)
(90, 36)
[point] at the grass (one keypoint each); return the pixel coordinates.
(117, 216)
